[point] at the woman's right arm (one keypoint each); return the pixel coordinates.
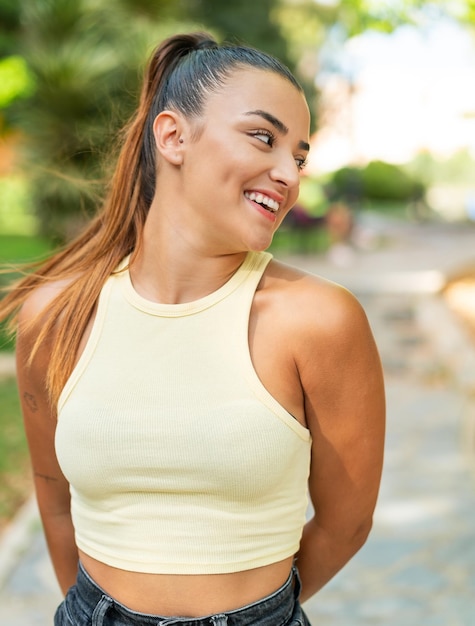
(52, 489)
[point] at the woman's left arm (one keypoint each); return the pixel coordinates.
(342, 382)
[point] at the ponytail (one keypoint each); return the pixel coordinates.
(181, 74)
(162, 63)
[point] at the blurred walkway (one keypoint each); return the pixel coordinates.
(418, 567)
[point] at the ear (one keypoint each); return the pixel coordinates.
(168, 128)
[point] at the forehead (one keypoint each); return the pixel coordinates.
(254, 89)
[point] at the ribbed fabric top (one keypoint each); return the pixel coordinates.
(179, 460)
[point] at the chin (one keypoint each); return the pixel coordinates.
(260, 246)
(257, 240)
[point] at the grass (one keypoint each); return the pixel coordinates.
(22, 248)
(15, 474)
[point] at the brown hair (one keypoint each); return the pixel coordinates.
(182, 71)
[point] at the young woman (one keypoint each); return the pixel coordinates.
(183, 391)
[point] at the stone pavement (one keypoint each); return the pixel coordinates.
(418, 567)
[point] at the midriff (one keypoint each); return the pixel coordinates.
(187, 595)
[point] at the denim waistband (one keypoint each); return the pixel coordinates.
(273, 610)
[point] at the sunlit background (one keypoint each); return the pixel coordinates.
(400, 96)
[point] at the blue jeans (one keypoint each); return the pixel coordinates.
(87, 605)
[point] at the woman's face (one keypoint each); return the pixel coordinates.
(241, 176)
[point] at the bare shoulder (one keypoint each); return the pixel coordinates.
(322, 329)
(32, 318)
(312, 303)
(39, 300)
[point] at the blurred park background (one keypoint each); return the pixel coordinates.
(391, 85)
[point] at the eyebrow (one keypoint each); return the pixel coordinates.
(276, 123)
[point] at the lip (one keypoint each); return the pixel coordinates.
(268, 215)
(279, 198)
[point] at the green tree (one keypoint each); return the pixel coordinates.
(9, 27)
(85, 58)
(357, 16)
(243, 21)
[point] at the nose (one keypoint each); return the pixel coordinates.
(285, 171)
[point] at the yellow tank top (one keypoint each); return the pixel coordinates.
(179, 460)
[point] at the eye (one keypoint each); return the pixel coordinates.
(301, 163)
(266, 136)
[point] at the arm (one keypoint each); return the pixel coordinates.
(52, 489)
(342, 381)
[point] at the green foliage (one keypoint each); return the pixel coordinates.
(345, 184)
(361, 15)
(248, 22)
(378, 181)
(15, 80)
(456, 170)
(470, 12)
(156, 10)
(75, 70)
(18, 249)
(312, 196)
(7, 342)
(16, 214)
(383, 181)
(9, 27)
(357, 16)
(86, 58)
(309, 240)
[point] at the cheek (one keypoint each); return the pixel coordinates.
(233, 161)
(234, 176)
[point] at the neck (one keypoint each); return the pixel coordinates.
(172, 269)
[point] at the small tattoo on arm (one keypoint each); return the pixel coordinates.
(30, 401)
(45, 477)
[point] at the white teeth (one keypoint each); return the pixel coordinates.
(261, 199)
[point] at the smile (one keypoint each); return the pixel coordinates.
(265, 201)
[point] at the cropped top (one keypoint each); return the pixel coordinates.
(179, 460)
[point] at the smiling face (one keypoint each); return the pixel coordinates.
(240, 175)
